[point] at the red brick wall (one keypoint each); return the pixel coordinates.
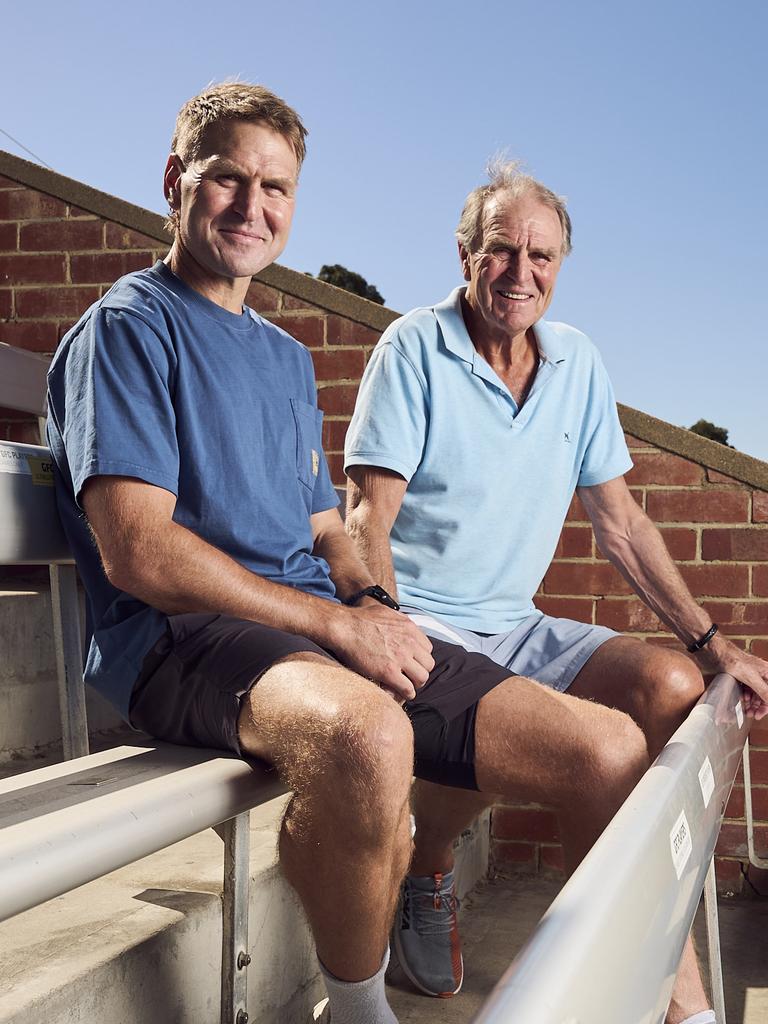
(717, 530)
(56, 258)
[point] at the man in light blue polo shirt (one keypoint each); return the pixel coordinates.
(476, 422)
(514, 477)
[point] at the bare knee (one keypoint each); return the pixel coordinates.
(370, 742)
(311, 718)
(682, 682)
(355, 772)
(354, 753)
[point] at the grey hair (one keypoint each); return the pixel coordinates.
(505, 176)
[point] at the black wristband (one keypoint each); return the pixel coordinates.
(698, 644)
(378, 594)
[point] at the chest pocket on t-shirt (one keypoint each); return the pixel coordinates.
(308, 422)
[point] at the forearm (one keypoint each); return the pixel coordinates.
(371, 538)
(349, 573)
(177, 571)
(640, 555)
(374, 499)
(627, 536)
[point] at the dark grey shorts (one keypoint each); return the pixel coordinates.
(193, 679)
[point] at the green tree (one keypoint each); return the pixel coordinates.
(350, 281)
(714, 433)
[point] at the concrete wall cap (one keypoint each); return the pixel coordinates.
(695, 448)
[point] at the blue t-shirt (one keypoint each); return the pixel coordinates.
(489, 483)
(157, 382)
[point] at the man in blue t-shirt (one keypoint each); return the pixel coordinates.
(476, 420)
(226, 605)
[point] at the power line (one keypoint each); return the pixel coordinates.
(22, 146)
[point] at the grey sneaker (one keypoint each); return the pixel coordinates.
(426, 935)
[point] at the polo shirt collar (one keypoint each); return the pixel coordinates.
(457, 340)
(454, 330)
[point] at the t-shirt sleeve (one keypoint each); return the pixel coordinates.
(389, 425)
(119, 417)
(606, 455)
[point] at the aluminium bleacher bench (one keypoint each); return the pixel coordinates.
(70, 823)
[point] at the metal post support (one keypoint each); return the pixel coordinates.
(69, 660)
(235, 958)
(713, 943)
(758, 862)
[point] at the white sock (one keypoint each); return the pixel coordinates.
(359, 1002)
(705, 1017)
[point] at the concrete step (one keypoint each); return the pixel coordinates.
(143, 945)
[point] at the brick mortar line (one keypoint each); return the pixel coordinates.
(297, 314)
(717, 525)
(707, 486)
(632, 597)
(101, 251)
(730, 600)
(714, 562)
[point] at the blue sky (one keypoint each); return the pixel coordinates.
(649, 117)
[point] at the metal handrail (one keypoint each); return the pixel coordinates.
(608, 949)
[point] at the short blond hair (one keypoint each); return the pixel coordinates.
(506, 176)
(233, 101)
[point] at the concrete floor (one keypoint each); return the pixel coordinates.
(498, 916)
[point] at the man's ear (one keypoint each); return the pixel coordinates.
(464, 259)
(172, 181)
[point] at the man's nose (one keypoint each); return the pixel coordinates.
(249, 201)
(517, 266)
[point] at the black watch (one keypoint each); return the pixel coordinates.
(378, 594)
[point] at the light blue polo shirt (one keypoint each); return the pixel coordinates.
(489, 484)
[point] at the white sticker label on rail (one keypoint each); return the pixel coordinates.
(681, 844)
(706, 781)
(12, 461)
(739, 713)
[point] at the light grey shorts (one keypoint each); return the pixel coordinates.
(551, 651)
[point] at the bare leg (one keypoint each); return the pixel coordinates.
(531, 743)
(658, 688)
(688, 996)
(346, 749)
(533, 757)
(441, 814)
(655, 686)
(535, 744)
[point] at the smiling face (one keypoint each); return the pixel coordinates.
(235, 201)
(512, 274)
